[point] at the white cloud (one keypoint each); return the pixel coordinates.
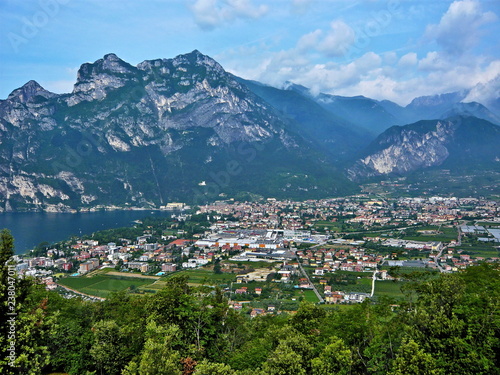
(398, 76)
(485, 92)
(309, 41)
(408, 60)
(333, 42)
(210, 14)
(458, 29)
(434, 61)
(337, 40)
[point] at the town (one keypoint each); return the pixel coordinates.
(272, 254)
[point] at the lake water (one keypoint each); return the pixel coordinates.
(31, 228)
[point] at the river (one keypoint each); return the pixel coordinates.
(31, 228)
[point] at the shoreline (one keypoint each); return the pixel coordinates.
(90, 210)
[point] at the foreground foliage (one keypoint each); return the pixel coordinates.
(447, 325)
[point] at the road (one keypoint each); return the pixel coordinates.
(374, 278)
(321, 299)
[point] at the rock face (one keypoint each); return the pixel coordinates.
(164, 130)
(457, 142)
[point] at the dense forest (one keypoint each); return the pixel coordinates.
(448, 324)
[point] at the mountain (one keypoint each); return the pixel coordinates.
(363, 114)
(329, 132)
(164, 130)
(460, 143)
(440, 107)
(359, 110)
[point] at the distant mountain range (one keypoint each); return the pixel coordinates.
(184, 129)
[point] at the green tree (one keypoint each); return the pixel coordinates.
(284, 361)
(335, 358)
(108, 347)
(158, 356)
(412, 360)
(208, 368)
(456, 319)
(25, 327)
(308, 318)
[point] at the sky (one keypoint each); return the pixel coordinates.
(382, 49)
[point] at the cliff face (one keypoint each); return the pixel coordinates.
(145, 135)
(458, 142)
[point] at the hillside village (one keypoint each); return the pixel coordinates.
(313, 245)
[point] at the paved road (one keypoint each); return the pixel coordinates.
(373, 283)
(321, 299)
(441, 269)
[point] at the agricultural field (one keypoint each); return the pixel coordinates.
(308, 295)
(485, 250)
(388, 288)
(443, 234)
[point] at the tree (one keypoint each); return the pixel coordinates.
(284, 361)
(308, 318)
(335, 358)
(108, 347)
(217, 267)
(25, 326)
(158, 356)
(412, 360)
(456, 318)
(207, 368)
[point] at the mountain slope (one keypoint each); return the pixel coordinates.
(165, 130)
(457, 143)
(332, 134)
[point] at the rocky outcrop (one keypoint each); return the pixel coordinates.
(130, 134)
(403, 149)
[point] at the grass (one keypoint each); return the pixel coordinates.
(202, 276)
(388, 288)
(480, 250)
(308, 295)
(446, 235)
(102, 285)
(332, 226)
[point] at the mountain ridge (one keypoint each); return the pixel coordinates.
(184, 129)
(167, 130)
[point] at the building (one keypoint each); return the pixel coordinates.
(169, 267)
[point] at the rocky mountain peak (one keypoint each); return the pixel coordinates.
(28, 91)
(95, 79)
(437, 100)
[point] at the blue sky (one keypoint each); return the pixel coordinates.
(387, 49)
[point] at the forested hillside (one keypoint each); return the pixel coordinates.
(445, 325)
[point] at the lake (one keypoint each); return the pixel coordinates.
(31, 228)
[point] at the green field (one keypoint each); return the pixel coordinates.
(388, 288)
(308, 295)
(332, 226)
(480, 250)
(101, 285)
(206, 277)
(446, 235)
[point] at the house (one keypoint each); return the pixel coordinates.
(256, 312)
(141, 266)
(168, 267)
(319, 271)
